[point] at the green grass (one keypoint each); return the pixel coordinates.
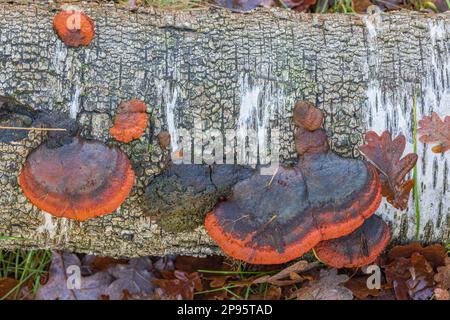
(26, 266)
(415, 175)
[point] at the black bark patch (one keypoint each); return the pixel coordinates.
(14, 114)
(59, 120)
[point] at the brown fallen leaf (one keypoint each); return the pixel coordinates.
(358, 285)
(327, 287)
(411, 278)
(442, 277)
(180, 287)
(433, 130)
(218, 281)
(360, 6)
(6, 287)
(435, 254)
(289, 275)
(191, 264)
(119, 281)
(385, 154)
(441, 294)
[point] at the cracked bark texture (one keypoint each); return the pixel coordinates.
(363, 72)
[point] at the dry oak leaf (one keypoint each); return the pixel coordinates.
(289, 275)
(442, 277)
(118, 282)
(358, 285)
(327, 287)
(181, 286)
(6, 288)
(385, 154)
(435, 254)
(433, 130)
(411, 278)
(441, 294)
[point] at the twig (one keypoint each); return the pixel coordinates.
(32, 129)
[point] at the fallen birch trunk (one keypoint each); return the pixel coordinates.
(214, 71)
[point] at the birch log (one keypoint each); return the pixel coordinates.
(216, 71)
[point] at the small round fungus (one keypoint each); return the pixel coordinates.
(307, 116)
(74, 27)
(79, 180)
(164, 139)
(130, 122)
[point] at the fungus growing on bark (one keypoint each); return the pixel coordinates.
(307, 116)
(271, 220)
(164, 139)
(74, 27)
(130, 122)
(79, 180)
(357, 249)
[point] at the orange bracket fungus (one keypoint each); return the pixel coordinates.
(78, 180)
(272, 220)
(130, 122)
(74, 28)
(359, 248)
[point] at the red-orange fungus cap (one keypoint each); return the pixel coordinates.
(80, 180)
(74, 28)
(130, 122)
(359, 248)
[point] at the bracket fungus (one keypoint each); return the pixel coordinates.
(79, 180)
(359, 248)
(74, 27)
(272, 220)
(130, 122)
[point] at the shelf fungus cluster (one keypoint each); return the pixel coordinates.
(76, 178)
(74, 27)
(325, 201)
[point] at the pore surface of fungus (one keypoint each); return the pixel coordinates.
(272, 220)
(359, 248)
(74, 28)
(79, 180)
(130, 122)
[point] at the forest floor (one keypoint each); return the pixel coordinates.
(310, 6)
(408, 272)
